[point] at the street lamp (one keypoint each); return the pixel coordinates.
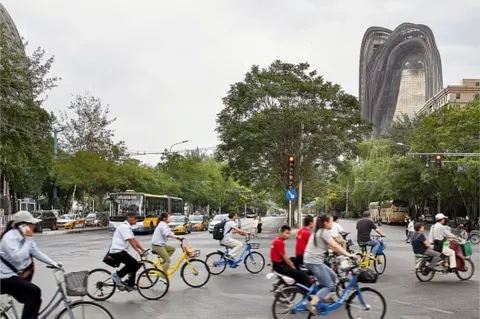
(182, 142)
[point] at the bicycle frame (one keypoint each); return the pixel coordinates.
(326, 308)
(235, 263)
(49, 308)
(159, 262)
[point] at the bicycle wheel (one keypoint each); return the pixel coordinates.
(423, 273)
(84, 310)
(285, 301)
(469, 270)
(474, 239)
(102, 283)
(378, 311)
(154, 281)
(212, 262)
(380, 263)
(197, 270)
(258, 262)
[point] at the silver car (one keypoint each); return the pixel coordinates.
(220, 218)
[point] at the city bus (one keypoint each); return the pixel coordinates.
(147, 206)
(394, 211)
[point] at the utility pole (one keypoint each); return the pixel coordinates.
(300, 185)
(55, 157)
(346, 203)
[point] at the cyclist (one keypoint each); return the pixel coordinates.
(314, 258)
(437, 236)
(228, 240)
(303, 235)
(160, 238)
(280, 261)
(421, 245)
(122, 237)
(336, 230)
(364, 228)
(17, 248)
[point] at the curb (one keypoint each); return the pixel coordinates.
(73, 231)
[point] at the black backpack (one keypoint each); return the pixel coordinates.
(219, 229)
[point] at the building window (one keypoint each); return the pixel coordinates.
(477, 83)
(457, 96)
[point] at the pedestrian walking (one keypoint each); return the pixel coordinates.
(255, 224)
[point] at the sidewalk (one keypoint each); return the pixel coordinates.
(73, 231)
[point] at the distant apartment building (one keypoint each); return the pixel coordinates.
(453, 95)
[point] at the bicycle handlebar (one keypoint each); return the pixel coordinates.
(144, 253)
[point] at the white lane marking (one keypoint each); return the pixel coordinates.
(419, 306)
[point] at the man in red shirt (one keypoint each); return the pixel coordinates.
(303, 235)
(280, 261)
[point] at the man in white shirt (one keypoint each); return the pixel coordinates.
(336, 230)
(411, 230)
(122, 238)
(228, 240)
(438, 234)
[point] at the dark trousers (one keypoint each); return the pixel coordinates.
(131, 266)
(298, 261)
(284, 269)
(25, 293)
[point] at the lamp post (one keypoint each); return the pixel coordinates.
(182, 142)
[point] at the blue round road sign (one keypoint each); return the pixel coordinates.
(291, 194)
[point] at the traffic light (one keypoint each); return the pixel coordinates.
(438, 161)
(291, 167)
(427, 162)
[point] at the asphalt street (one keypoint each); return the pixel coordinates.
(239, 294)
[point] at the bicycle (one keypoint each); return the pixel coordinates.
(349, 295)
(147, 271)
(75, 285)
(219, 263)
(189, 260)
(380, 258)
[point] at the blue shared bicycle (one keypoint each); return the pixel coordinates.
(254, 261)
(360, 302)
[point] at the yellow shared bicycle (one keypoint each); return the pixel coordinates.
(194, 272)
(379, 262)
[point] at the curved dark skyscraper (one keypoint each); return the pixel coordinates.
(7, 23)
(399, 71)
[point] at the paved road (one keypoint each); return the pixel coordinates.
(238, 294)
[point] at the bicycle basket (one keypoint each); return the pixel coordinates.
(254, 245)
(76, 283)
(189, 251)
(367, 276)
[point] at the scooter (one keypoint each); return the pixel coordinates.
(425, 273)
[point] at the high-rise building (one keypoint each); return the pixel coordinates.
(399, 71)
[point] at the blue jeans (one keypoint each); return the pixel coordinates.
(375, 244)
(325, 276)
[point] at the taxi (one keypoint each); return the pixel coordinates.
(70, 221)
(180, 224)
(199, 222)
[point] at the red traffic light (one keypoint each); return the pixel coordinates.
(438, 157)
(292, 158)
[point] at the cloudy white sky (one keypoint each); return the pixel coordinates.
(163, 66)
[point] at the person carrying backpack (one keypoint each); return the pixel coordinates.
(224, 232)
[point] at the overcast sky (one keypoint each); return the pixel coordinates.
(163, 66)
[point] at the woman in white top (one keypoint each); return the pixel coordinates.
(17, 248)
(314, 260)
(255, 224)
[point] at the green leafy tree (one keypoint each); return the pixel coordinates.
(25, 127)
(88, 128)
(261, 125)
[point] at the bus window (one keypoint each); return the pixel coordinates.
(155, 206)
(177, 206)
(125, 203)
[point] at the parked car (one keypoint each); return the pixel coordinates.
(199, 222)
(70, 221)
(48, 220)
(180, 224)
(92, 220)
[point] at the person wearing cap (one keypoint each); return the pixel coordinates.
(122, 238)
(438, 235)
(17, 248)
